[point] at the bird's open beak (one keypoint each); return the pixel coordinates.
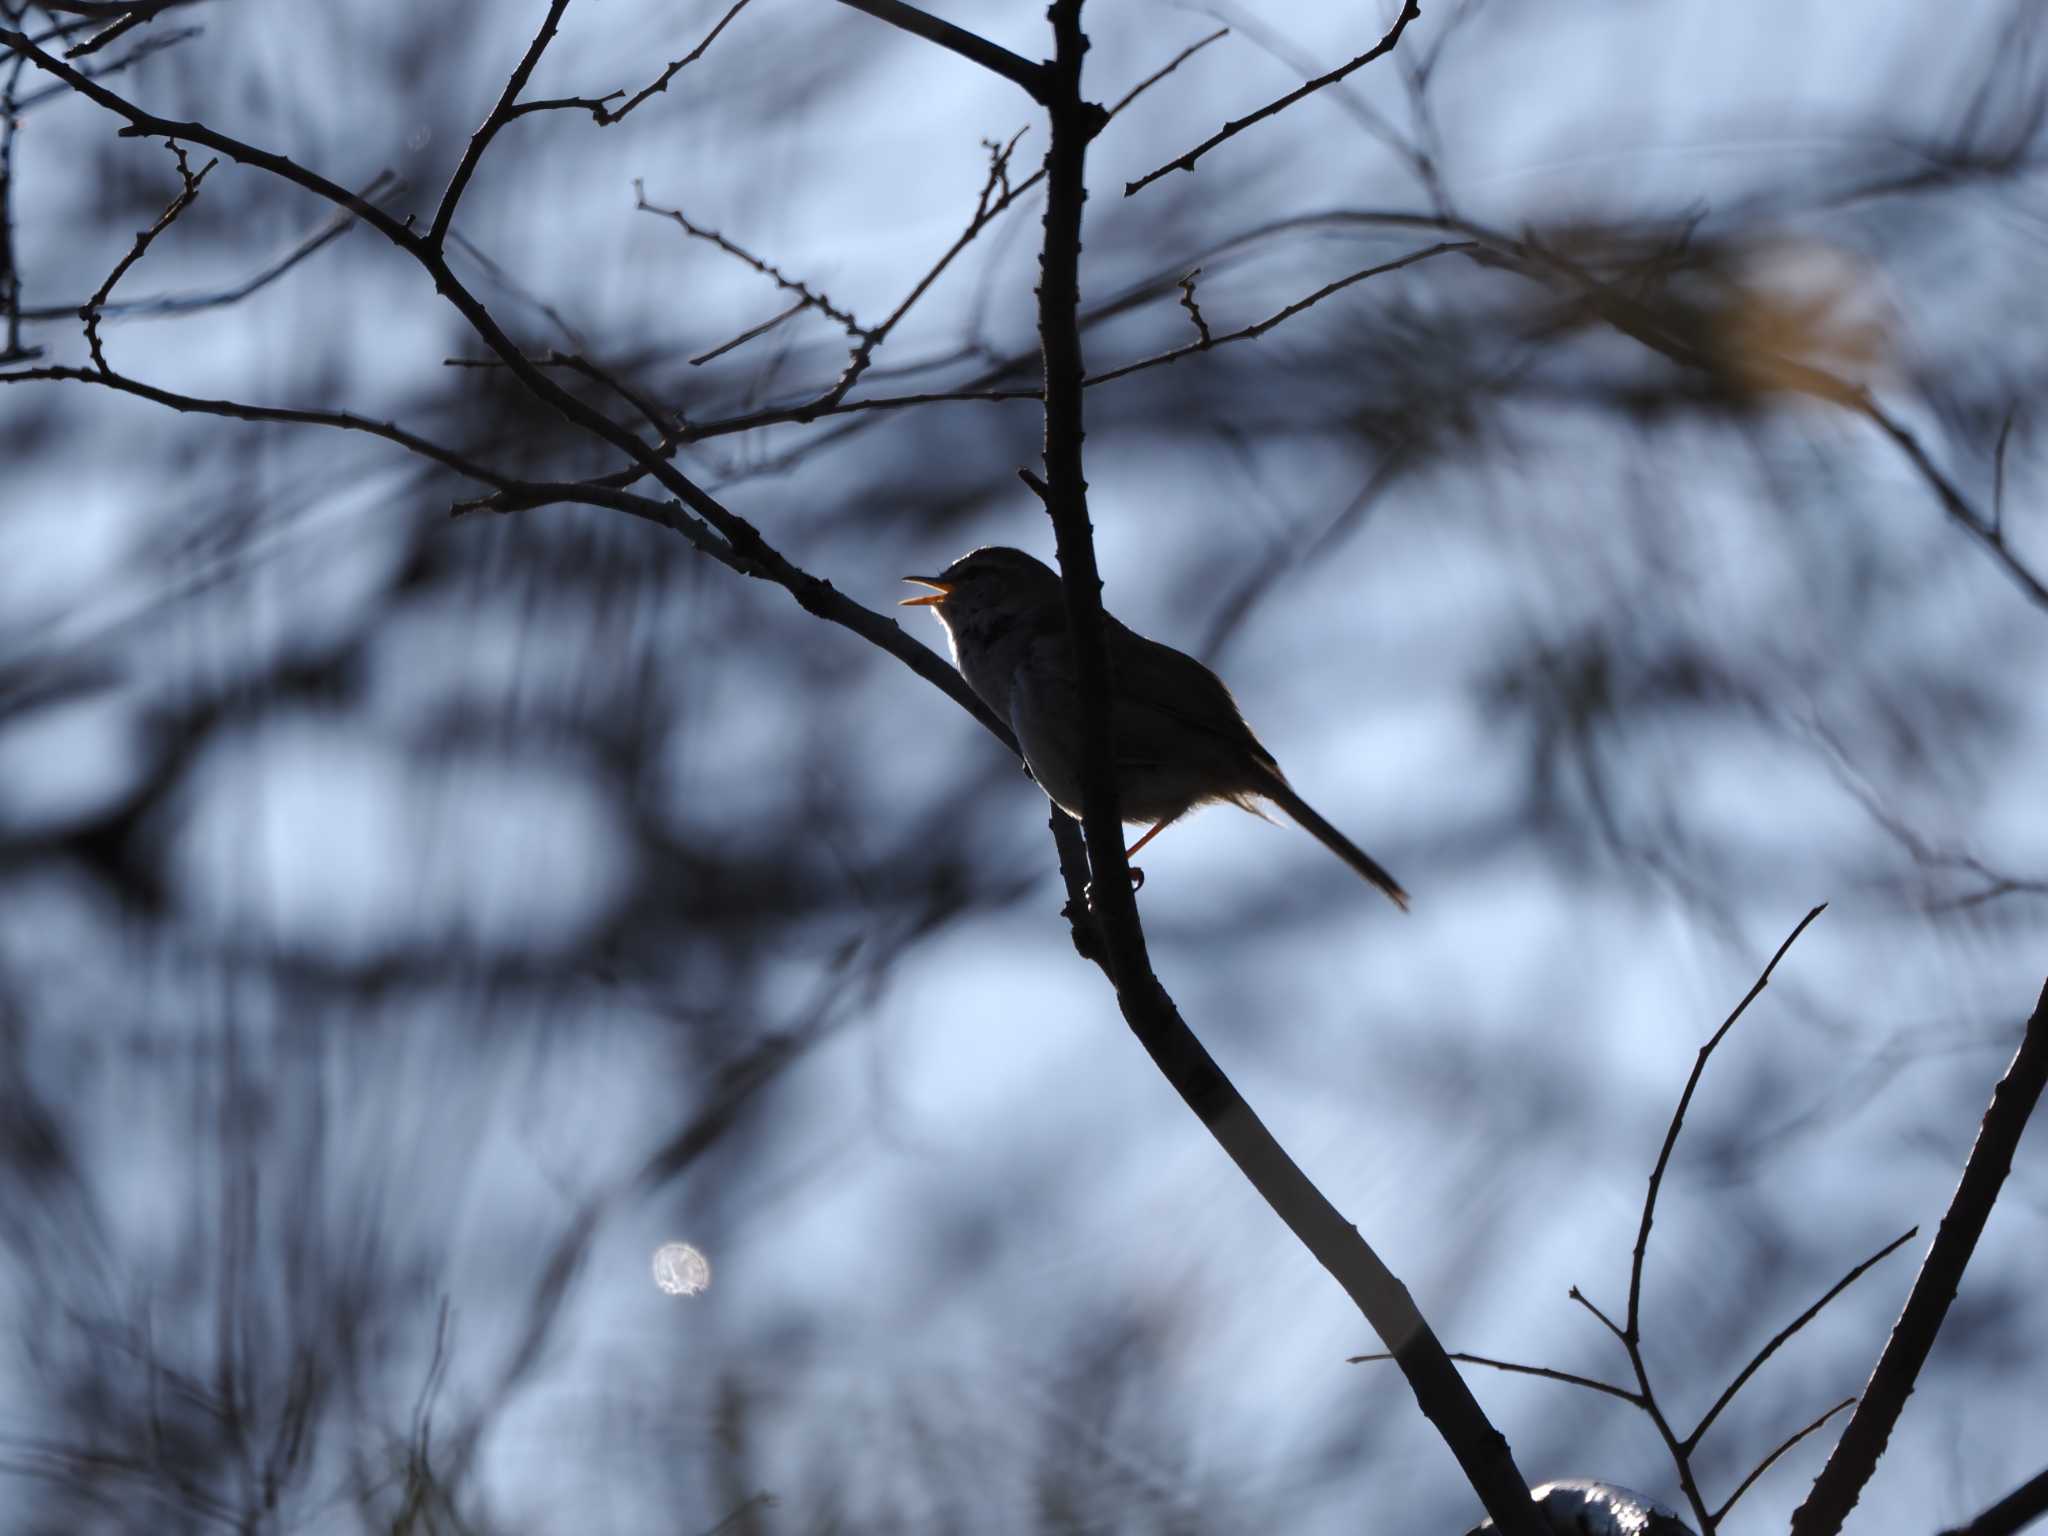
(938, 594)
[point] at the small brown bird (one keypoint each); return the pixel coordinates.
(1180, 741)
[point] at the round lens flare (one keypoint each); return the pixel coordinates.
(681, 1270)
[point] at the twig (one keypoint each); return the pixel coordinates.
(1605, 1321)
(346, 421)
(1187, 302)
(89, 311)
(330, 229)
(1691, 1441)
(1409, 11)
(1633, 1333)
(128, 60)
(1855, 1456)
(1569, 1378)
(599, 107)
(1260, 327)
(501, 114)
(990, 56)
(749, 334)
(1164, 70)
(1765, 1465)
(807, 298)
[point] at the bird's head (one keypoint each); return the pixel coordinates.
(987, 587)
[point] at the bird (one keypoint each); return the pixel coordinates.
(1179, 738)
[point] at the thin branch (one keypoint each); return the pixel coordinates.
(2017, 1510)
(89, 311)
(750, 334)
(1691, 1441)
(599, 107)
(1187, 302)
(1986, 531)
(330, 229)
(807, 297)
(1765, 1465)
(501, 114)
(1633, 1332)
(1033, 77)
(1605, 1321)
(1259, 328)
(1855, 1456)
(1409, 11)
(128, 60)
(346, 421)
(1164, 70)
(1569, 1378)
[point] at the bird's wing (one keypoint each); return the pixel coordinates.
(1171, 686)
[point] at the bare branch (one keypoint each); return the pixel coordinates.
(1409, 11)
(1765, 1465)
(1259, 328)
(326, 232)
(599, 107)
(1633, 1333)
(1855, 1456)
(1187, 302)
(1691, 1441)
(346, 421)
(500, 115)
(807, 297)
(1033, 77)
(89, 311)
(1163, 71)
(1605, 1321)
(128, 60)
(1569, 1378)
(2017, 1510)
(1115, 931)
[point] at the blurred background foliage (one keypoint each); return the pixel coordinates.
(406, 924)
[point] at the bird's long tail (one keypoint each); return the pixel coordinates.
(1282, 794)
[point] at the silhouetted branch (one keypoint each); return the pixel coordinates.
(1692, 1440)
(599, 107)
(1259, 328)
(1569, 1378)
(1164, 70)
(2013, 1513)
(501, 114)
(1632, 1332)
(1442, 1394)
(1766, 1464)
(1409, 11)
(1855, 1456)
(330, 229)
(89, 312)
(990, 56)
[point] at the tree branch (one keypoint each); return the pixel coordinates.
(1855, 1456)
(2018, 1509)
(1409, 11)
(1441, 1393)
(1033, 77)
